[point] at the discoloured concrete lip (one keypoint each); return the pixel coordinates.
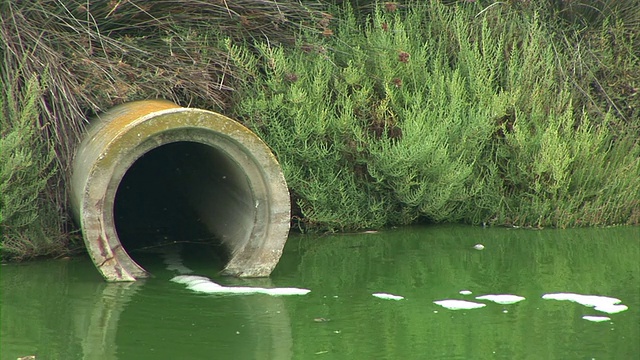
(239, 192)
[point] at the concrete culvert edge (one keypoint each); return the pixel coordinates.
(153, 163)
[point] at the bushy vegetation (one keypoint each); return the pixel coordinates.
(382, 113)
(440, 113)
(28, 224)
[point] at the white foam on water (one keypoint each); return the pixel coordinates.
(459, 304)
(205, 285)
(187, 279)
(465, 292)
(503, 299)
(199, 283)
(611, 308)
(600, 303)
(596, 318)
(213, 288)
(388, 296)
(286, 291)
(586, 300)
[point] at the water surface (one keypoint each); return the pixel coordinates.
(61, 309)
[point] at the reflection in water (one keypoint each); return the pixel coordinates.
(204, 325)
(63, 309)
(51, 309)
(98, 325)
(272, 334)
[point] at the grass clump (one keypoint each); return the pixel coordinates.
(437, 113)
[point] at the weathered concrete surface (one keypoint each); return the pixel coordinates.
(237, 188)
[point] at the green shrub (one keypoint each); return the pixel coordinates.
(29, 224)
(436, 114)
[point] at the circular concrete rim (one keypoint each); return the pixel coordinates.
(112, 147)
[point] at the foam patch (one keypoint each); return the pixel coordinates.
(503, 299)
(596, 318)
(188, 279)
(459, 304)
(388, 296)
(605, 304)
(205, 285)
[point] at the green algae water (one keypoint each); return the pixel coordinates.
(62, 309)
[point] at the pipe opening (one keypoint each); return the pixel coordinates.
(182, 193)
(150, 173)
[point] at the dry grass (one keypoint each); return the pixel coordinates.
(96, 54)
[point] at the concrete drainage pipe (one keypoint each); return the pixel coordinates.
(143, 157)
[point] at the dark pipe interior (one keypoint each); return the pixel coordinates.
(153, 208)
